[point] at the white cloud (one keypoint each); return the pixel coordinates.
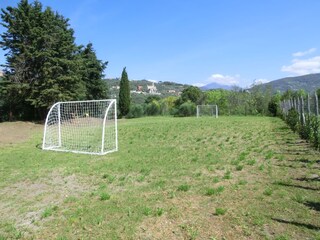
(303, 66)
(199, 84)
(301, 54)
(224, 79)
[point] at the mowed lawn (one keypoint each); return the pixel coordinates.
(172, 178)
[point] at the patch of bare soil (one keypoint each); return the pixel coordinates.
(17, 132)
(37, 196)
(190, 217)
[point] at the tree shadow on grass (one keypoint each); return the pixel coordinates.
(297, 186)
(313, 205)
(289, 166)
(304, 160)
(305, 225)
(308, 179)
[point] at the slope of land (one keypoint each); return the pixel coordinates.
(173, 178)
(140, 91)
(310, 83)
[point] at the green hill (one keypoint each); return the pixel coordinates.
(140, 92)
(310, 83)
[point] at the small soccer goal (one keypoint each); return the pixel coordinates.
(82, 127)
(207, 110)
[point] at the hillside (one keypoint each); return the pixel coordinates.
(309, 83)
(141, 89)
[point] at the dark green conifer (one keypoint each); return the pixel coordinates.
(124, 94)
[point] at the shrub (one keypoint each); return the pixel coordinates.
(153, 108)
(293, 119)
(314, 133)
(187, 109)
(305, 130)
(135, 111)
(272, 108)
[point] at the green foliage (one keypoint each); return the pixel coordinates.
(220, 211)
(268, 192)
(307, 125)
(152, 108)
(92, 73)
(104, 196)
(146, 211)
(187, 109)
(124, 94)
(159, 212)
(184, 187)
(274, 105)
(214, 191)
(293, 119)
(305, 130)
(192, 94)
(135, 111)
(318, 93)
(219, 97)
(43, 63)
(151, 98)
(315, 131)
(49, 211)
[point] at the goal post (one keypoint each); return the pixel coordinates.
(82, 127)
(207, 110)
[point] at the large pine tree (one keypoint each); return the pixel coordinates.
(43, 63)
(124, 94)
(92, 73)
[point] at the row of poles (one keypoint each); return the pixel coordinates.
(308, 105)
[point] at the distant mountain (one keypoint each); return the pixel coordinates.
(309, 83)
(215, 86)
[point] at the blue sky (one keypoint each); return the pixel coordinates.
(232, 42)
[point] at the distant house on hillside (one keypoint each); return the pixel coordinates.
(152, 89)
(139, 88)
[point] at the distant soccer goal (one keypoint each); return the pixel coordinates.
(82, 127)
(207, 110)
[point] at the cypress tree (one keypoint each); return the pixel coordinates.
(124, 94)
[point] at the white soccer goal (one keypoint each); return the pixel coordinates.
(82, 127)
(207, 110)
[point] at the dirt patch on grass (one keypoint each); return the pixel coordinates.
(33, 198)
(17, 132)
(190, 217)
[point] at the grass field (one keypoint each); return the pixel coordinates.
(172, 178)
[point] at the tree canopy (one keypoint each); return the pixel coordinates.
(43, 63)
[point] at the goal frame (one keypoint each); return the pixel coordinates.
(103, 151)
(214, 106)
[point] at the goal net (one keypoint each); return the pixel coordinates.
(82, 127)
(207, 110)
